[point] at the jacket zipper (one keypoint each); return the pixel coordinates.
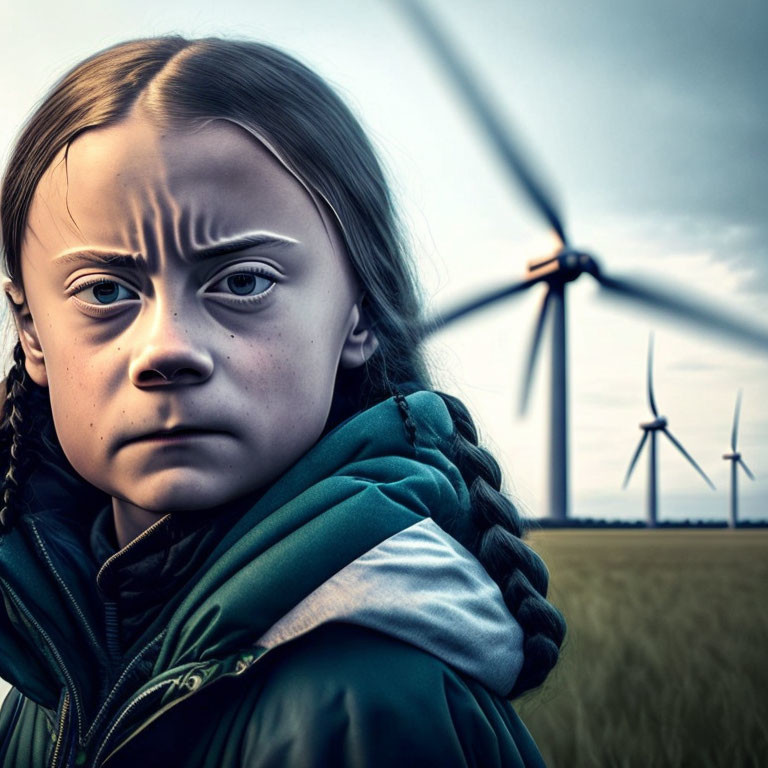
(111, 643)
(100, 714)
(121, 716)
(54, 651)
(60, 734)
(240, 667)
(131, 544)
(111, 621)
(68, 678)
(57, 576)
(111, 629)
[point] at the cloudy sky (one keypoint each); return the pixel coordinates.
(649, 123)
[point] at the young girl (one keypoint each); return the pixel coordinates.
(239, 527)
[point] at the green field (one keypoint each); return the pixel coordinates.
(666, 658)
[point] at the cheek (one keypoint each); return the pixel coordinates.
(78, 389)
(76, 420)
(76, 370)
(284, 361)
(285, 377)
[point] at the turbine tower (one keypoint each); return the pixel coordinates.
(650, 428)
(735, 458)
(564, 266)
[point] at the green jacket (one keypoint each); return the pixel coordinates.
(333, 624)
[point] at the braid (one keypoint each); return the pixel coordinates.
(405, 414)
(12, 436)
(498, 545)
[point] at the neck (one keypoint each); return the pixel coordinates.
(131, 521)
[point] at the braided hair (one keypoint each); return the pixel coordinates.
(13, 436)
(495, 538)
(498, 545)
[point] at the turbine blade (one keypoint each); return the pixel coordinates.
(486, 115)
(735, 431)
(534, 351)
(651, 401)
(746, 469)
(442, 319)
(689, 457)
(635, 457)
(692, 309)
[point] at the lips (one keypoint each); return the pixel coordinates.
(179, 432)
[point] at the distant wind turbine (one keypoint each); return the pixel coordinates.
(659, 424)
(735, 458)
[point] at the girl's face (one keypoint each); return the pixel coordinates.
(184, 279)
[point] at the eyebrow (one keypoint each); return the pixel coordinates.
(136, 261)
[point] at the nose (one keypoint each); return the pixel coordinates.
(170, 355)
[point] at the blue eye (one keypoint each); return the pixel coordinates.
(242, 285)
(246, 284)
(105, 292)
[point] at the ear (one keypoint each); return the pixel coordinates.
(361, 342)
(25, 326)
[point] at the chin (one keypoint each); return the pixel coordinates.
(164, 495)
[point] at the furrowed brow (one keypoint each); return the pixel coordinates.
(255, 240)
(90, 256)
(137, 261)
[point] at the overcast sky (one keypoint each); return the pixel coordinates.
(648, 121)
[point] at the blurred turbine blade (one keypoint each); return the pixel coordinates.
(746, 468)
(481, 106)
(692, 309)
(444, 318)
(689, 457)
(651, 401)
(635, 457)
(534, 351)
(735, 432)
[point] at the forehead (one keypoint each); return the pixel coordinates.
(138, 186)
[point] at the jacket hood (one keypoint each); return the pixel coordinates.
(345, 534)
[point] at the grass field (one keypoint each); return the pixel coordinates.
(666, 658)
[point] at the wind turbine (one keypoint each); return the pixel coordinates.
(659, 424)
(735, 458)
(556, 270)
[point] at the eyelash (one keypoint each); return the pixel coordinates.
(102, 309)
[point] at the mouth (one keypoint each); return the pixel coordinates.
(178, 434)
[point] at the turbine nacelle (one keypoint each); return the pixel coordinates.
(732, 456)
(660, 422)
(564, 265)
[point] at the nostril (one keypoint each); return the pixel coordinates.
(185, 373)
(150, 376)
(153, 375)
